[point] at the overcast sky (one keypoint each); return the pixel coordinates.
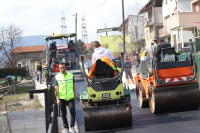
(43, 17)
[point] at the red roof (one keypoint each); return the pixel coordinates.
(88, 45)
(197, 24)
(28, 49)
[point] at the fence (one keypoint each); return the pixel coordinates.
(51, 108)
(26, 112)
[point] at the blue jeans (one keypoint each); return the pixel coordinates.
(40, 76)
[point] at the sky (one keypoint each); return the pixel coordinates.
(43, 17)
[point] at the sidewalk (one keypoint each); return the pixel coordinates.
(60, 123)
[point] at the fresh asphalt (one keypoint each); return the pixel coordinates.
(143, 121)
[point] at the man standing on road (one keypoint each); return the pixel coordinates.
(127, 67)
(39, 72)
(47, 70)
(65, 95)
(89, 63)
(137, 60)
(36, 71)
(118, 62)
(142, 54)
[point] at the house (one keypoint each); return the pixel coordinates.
(178, 27)
(153, 20)
(28, 56)
(134, 28)
(115, 43)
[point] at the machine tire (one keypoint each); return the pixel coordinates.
(141, 97)
(152, 102)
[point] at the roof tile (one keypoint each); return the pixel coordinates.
(28, 49)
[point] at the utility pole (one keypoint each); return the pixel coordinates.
(76, 30)
(123, 26)
(106, 31)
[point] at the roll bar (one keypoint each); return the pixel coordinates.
(160, 82)
(103, 79)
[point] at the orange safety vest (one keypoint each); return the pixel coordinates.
(107, 61)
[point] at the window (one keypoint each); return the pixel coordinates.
(151, 32)
(19, 65)
(147, 34)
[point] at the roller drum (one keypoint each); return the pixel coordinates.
(107, 118)
(174, 100)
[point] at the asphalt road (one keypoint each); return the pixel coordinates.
(187, 121)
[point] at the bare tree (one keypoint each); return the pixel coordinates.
(10, 38)
(134, 27)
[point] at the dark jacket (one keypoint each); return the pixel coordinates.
(137, 63)
(127, 63)
(53, 46)
(160, 45)
(39, 67)
(118, 62)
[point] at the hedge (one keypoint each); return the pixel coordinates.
(10, 71)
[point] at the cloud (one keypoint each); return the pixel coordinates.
(42, 17)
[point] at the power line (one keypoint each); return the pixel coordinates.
(41, 24)
(32, 13)
(97, 8)
(96, 5)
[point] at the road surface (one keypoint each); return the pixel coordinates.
(144, 121)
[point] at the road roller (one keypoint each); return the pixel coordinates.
(166, 84)
(107, 103)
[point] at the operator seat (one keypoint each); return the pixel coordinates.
(103, 70)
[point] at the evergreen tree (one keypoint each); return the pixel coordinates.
(81, 48)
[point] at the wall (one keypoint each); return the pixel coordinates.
(195, 5)
(168, 9)
(149, 40)
(29, 59)
(113, 43)
(158, 17)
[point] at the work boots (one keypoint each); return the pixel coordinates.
(127, 81)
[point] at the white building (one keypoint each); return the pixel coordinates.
(178, 27)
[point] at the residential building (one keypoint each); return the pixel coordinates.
(134, 27)
(178, 26)
(195, 4)
(153, 20)
(28, 56)
(115, 43)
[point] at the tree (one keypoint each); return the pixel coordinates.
(134, 27)
(91, 48)
(81, 47)
(10, 38)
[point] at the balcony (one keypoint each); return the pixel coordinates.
(183, 19)
(148, 23)
(164, 31)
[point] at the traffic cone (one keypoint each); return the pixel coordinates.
(127, 81)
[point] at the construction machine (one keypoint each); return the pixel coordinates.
(167, 84)
(106, 104)
(65, 53)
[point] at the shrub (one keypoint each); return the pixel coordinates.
(11, 71)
